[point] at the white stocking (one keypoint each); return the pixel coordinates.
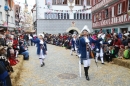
(102, 60)
(41, 61)
(97, 55)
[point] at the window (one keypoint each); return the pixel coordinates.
(120, 8)
(86, 16)
(83, 16)
(77, 2)
(108, 30)
(80, 16)
(54, 2)
(64, 1)
(94, 2)
(65, 16)
(100, 16)
(128, 4)
(56, 16)
(59, 2)
(88, 2)
(90, 16)
(106, 13)
(62, 15)
(75, 16)
(94, 18)
(112, 14)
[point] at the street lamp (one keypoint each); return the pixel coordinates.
(6, 8)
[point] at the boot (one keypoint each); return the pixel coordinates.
(86, 72)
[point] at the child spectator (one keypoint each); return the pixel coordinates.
(106, 52)
(126, 53)
(112, 53)
(121, 51)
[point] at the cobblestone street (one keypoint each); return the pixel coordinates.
(62, 69)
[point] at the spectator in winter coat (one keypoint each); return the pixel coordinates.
(117, 43)
(2, 41)
(23, 51)
(124, 40)
(4, 76)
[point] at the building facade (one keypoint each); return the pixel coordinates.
(57, 16)
(110, 15)
(17, 16)
(7, 18)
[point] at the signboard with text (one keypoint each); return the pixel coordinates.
(112, 21)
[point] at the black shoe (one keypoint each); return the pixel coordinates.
(102, 63)
(87, 78)
(41, 65)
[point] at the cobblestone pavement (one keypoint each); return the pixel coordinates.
(58, 62)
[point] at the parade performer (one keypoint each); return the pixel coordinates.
(41, 48)
(73, 44)
(84, 49)
(99, 50)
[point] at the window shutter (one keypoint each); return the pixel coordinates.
(126, 5)
(103, 15)
(92, 3)
(116, 9)
(109, 12)
(93, 18)
(123, 7)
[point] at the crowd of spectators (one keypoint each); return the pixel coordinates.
(115, 45)
(10, 47)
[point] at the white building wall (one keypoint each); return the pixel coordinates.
(42, 8)
(34, 14)
(4, 16)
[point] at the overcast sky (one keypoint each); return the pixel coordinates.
(30, 3)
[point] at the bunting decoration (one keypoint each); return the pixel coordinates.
(54, 10)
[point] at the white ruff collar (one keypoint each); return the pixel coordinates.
(87, 40)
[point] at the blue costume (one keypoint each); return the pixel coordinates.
(73, 45)
(84, 50)
(41, 49)
(37, 41)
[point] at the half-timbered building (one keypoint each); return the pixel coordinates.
(111, 15)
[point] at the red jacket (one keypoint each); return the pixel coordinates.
(15, 43)
(117, 43)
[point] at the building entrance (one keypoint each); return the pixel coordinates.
(73, 32)
(124, 30)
